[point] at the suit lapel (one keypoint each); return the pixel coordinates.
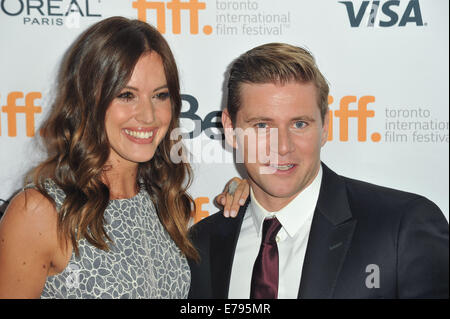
(223, 246)
(329, 239)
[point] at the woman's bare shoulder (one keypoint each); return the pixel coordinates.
(28, 242)
(32, 206)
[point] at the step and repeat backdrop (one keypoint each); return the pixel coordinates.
(387, 63)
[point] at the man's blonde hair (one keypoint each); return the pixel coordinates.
(275, 63)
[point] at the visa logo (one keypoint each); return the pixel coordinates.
(390, 13)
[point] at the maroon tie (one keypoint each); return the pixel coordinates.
(265, 271)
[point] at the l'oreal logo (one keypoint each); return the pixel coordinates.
(48, 8)
(390, 15)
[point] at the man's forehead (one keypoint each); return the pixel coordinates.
(275, 84)
(267, 93)
(274, 101)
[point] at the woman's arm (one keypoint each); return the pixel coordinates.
(28, 241)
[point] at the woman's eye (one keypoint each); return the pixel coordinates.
(162, 96)
(299, 124)
(127, 96)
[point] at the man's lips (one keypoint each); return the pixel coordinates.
(278, 168)
(282, 167)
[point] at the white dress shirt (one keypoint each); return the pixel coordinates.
(292, 240)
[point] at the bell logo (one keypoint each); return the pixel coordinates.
(175, 6)
(11, 109)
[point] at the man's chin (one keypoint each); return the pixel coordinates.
(281, 192)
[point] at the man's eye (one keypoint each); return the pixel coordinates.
(261, 125)
(299, 124)
(127, 96)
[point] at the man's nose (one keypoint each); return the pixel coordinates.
(285, 141)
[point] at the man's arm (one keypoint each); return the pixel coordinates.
(200, 287)
(423, 256)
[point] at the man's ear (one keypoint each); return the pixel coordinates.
(325, 127)
(228, 128)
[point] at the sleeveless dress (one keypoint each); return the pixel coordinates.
(142, 261)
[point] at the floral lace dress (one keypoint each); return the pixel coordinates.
(142, 262)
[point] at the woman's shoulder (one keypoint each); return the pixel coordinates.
(31, 216)
(52, 190)
(29, 242)
(30, 208)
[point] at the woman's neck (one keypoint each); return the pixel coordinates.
(121, 180)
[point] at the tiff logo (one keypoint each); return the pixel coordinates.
(176, 7)
(361, 113)
(390, 11)
(11, 109)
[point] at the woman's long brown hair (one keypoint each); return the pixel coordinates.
(94, 71)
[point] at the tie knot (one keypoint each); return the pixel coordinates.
(271, 227)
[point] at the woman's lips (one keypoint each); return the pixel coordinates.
(140, 135)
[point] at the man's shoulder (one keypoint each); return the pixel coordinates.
(364, 193)
(361, 186)
(370, 192)
(367, 197)
(214, 224)
(211, 220)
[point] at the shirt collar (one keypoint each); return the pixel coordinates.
(295, 214)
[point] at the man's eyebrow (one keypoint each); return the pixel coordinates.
(304, 118)
(268, 119)
(258, 118)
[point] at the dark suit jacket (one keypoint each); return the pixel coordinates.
(355, 225)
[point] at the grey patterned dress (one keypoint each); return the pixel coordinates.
(143, 261)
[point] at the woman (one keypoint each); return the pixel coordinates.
(107, 213)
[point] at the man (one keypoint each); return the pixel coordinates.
(305, 231)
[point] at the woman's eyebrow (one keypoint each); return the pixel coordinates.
(160, 87)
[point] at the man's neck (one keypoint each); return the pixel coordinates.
(272, 203)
